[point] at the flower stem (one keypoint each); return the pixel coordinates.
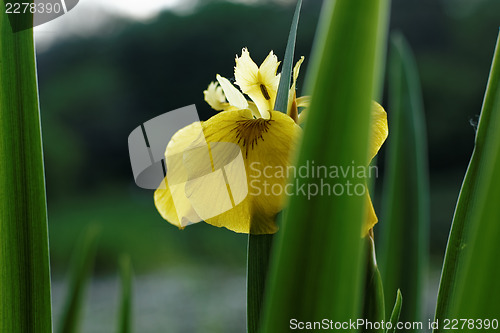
(259, 250)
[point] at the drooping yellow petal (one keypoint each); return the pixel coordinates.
(216, 178)
(233, 95)
(170, 198)
(371, 217)
(165, 206)
(245, 205)
(260, 83)
(379, 129)
(264, 143)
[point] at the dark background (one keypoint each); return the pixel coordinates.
(95, 90)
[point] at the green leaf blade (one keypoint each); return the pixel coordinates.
(469, 280)
(406, 213)
(396, 312)
(82, 264)
(281, 103)
(318, 256)
(24, 255)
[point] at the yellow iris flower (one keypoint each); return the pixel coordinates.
(265, 138)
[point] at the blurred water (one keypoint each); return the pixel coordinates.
(184, 300)
(180, 300)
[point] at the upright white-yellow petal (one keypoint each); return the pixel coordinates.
(293, 94)
(267, 73)
(296, 69)
(233, 95)
(261, 84)
(215, 97)
(246, 71)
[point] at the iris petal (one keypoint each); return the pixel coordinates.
(379, 129)
(233, 95)
(215, 97)
(260, 83)
(263, 143)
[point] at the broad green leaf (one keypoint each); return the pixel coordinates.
(259, 246)
(469, 282)
(318, 258)
(405, 219)
(82, 262)
(125, 314)
(24, 254)
(396, 312)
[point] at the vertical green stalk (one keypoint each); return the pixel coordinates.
(259, 249)
(469, 280)
(317, 263)
(373, 308)
(24, 253)
(405, 222)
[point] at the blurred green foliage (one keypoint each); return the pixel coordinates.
(453, 41)
(95, 90)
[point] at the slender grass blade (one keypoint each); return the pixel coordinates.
(286, 70)
(396, 312)
(82, 264)
(125, 314)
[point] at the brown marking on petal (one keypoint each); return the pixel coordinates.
(264, 91)
(250, 132)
